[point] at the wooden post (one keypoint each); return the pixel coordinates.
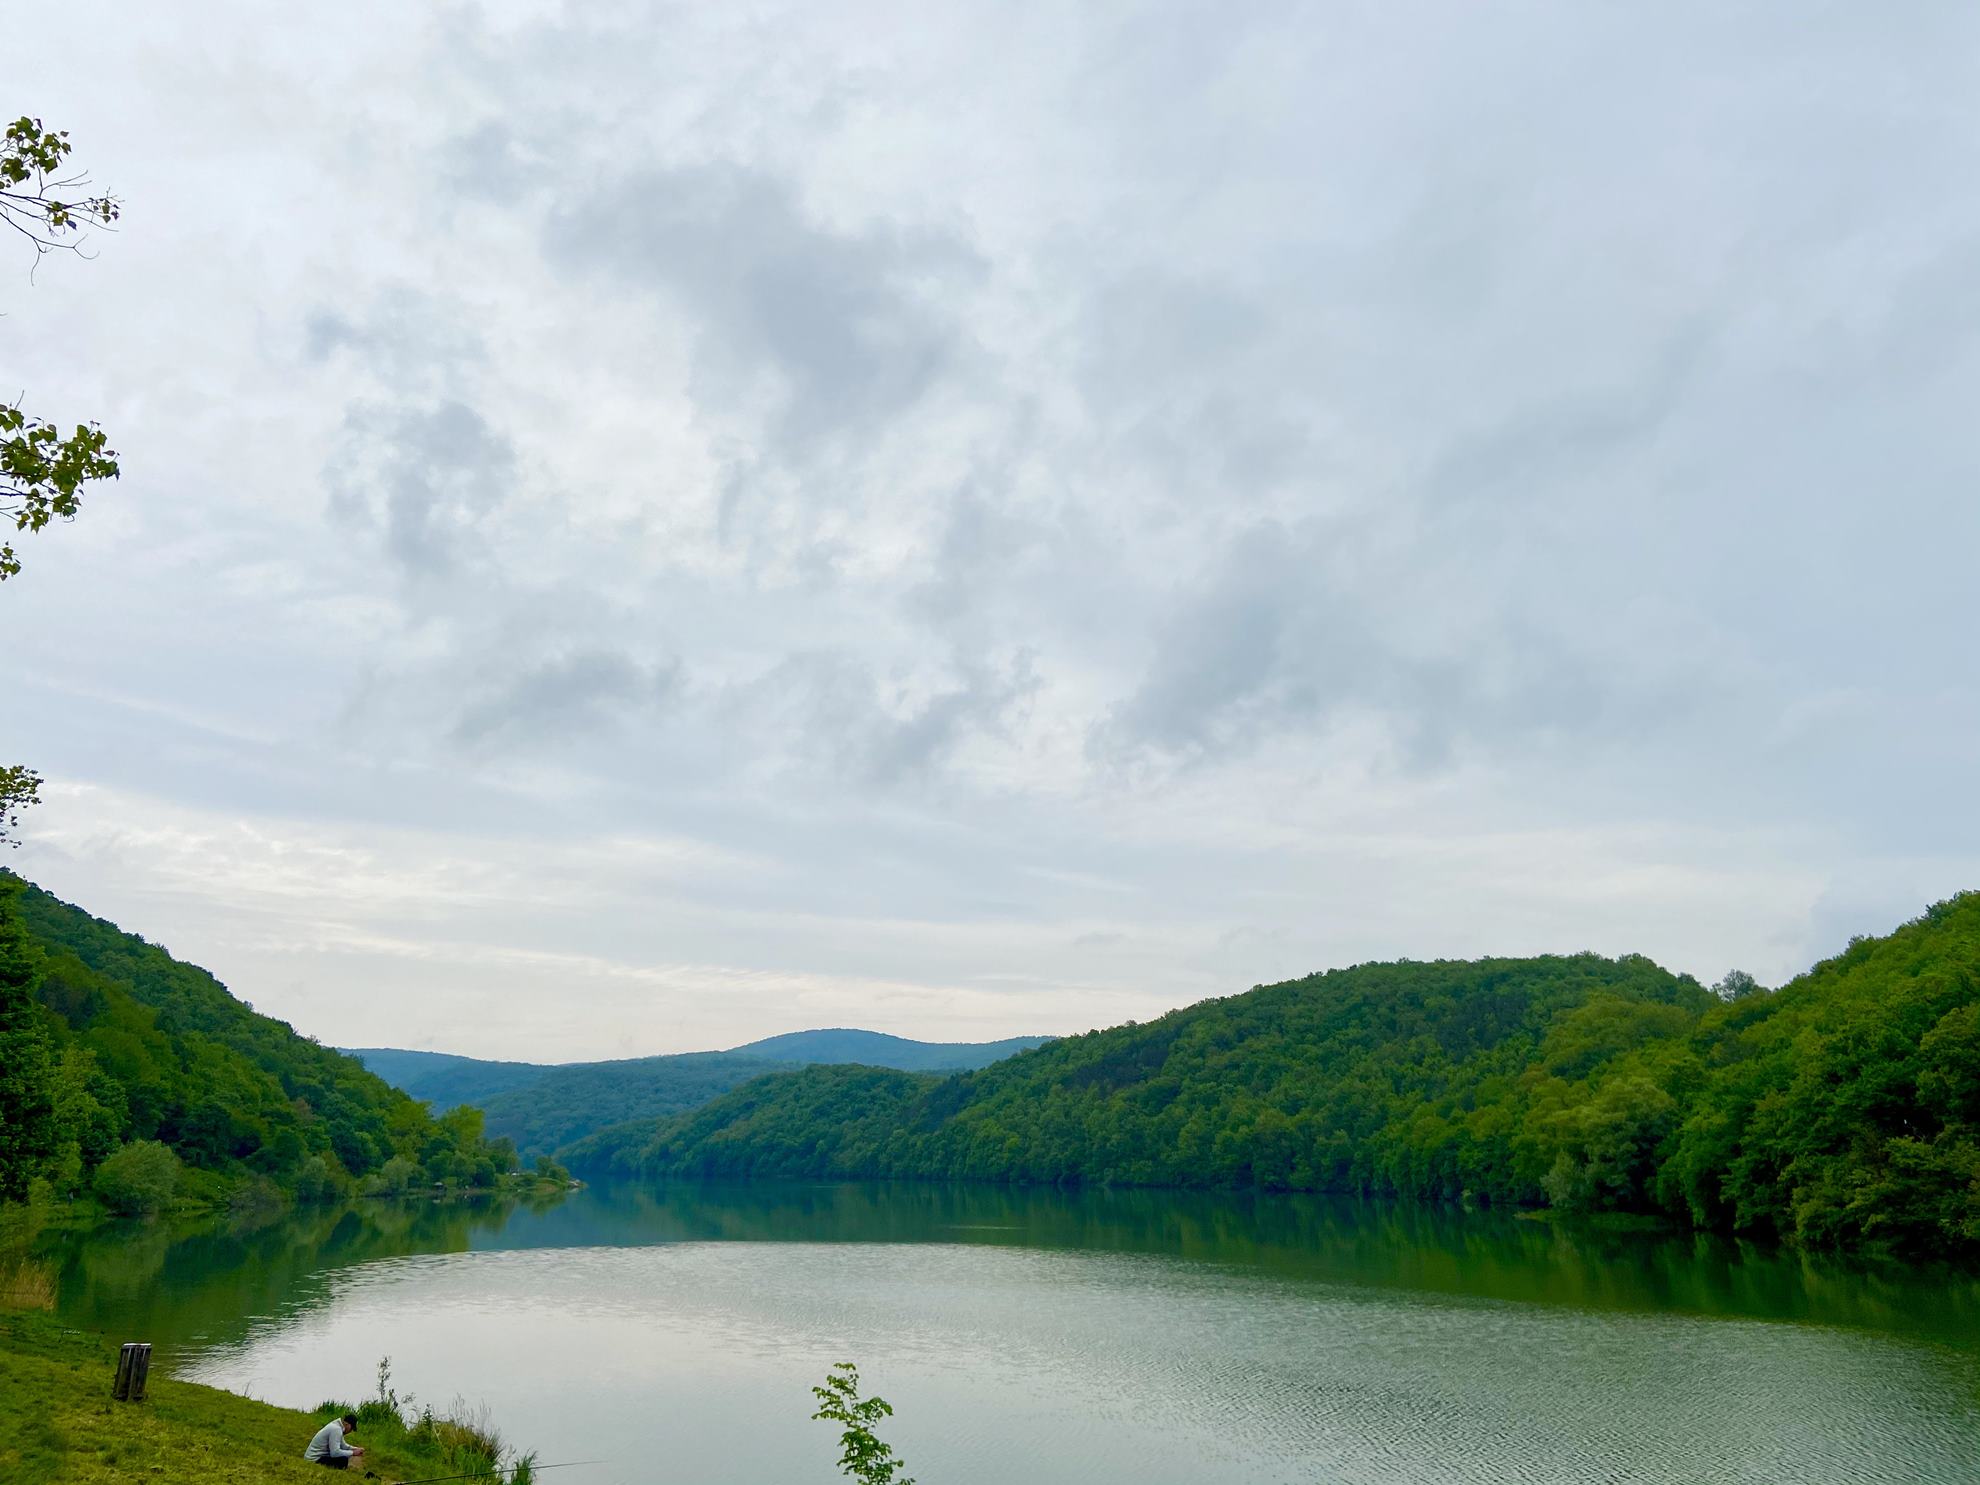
(133, 1365)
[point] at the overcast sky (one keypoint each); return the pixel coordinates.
(649, 526)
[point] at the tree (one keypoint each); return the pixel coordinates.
(42, 475)
(1737, 985)
(37, 200)
(861, 1454)
(18, 791)
(139, 1179)
(42, 470)
(27, 1107)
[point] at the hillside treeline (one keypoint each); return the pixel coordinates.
(567, 1103)
(126, 1072)
(1842, 1110)
(543, 1107)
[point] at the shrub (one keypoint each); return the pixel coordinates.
(258, 1202)
(317, 1180)
(463, 1440)
(395, 1177)
(139, 1179)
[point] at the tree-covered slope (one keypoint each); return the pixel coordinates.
(568, 1103)
(110, 1040)
(1842, 1110)
(1316, 1082)
(543, 1107)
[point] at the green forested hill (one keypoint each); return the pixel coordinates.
(567, 1103)
(110, 1042)
(1843, 1109)
(542, 1106)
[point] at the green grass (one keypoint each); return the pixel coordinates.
(58, 1424)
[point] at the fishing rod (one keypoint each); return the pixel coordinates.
(501, 1469)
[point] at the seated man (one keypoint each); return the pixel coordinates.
(328, 1447)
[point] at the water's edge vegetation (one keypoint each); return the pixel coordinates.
(1841, 1111)
(58, 1422)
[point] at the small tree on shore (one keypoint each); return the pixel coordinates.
(138, 1180)
(861, 1453)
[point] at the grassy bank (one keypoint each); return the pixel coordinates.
(58, 1424)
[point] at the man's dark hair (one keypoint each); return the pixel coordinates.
(349, 1420)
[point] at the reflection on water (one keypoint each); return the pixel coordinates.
(208, 1279)
(1092, 1336)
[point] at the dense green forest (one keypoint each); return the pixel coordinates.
(1842, 1110)
(569, 1103)
(128, 1073)
(542, 1107)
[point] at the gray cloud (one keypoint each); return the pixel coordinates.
(570, 695)
(1246, 647)
(830, 712)
(420, 479)
(1206, 382)
(1287, 632)
(1574, 435)
(850, 322)
(403, 339)
(1058, 499)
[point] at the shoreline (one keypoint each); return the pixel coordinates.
(58, 1423)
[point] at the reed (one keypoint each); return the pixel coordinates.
(464, 1435)
(26, 1284)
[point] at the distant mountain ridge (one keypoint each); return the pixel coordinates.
(444, 1079)
(878, 1049)
(544, 1106)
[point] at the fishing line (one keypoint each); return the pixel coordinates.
(502, 1469)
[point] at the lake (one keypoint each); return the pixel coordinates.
(1047, 1336)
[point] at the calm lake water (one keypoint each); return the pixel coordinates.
(1046, 1336)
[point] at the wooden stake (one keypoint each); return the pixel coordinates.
(133, 1366)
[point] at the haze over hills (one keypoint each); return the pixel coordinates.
(443, 1079)
(544, 1106)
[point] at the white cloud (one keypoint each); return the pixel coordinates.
(1093, 510)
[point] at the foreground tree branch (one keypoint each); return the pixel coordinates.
(39, 203)
(42, 471)
(19, 789)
